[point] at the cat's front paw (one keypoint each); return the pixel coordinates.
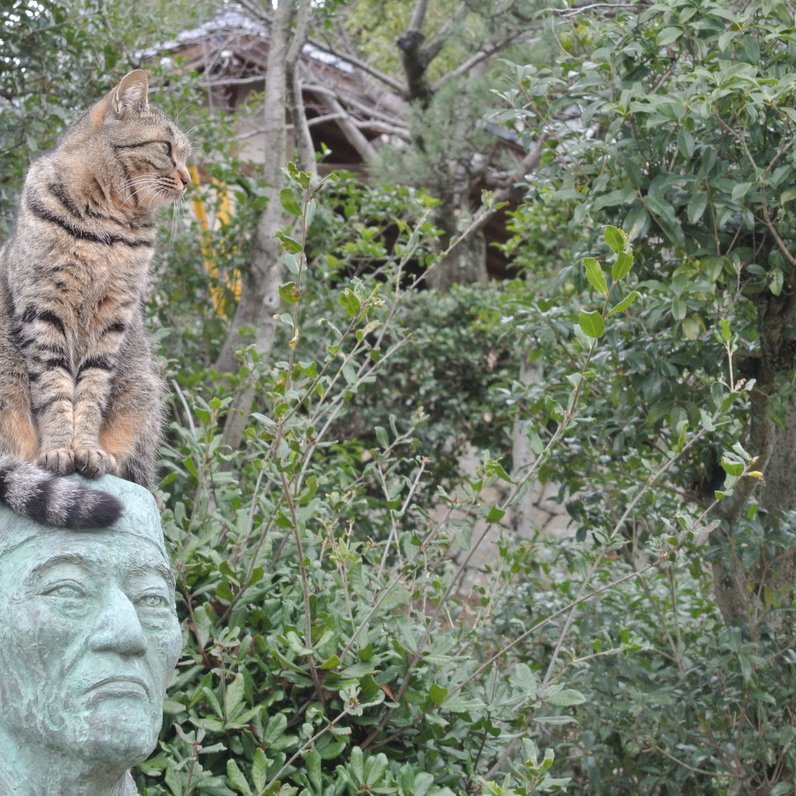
(95, 462)
(58, 460)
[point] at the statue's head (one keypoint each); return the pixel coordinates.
(89, 635)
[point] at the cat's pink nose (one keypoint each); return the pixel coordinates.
(184, 176)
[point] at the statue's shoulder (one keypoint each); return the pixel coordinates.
(126, 787)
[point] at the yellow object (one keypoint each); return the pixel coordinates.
(206, 244)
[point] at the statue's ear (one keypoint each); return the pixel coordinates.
(131, 94)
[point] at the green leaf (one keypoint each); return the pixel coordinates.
(594, 273)
(275, 729)
(289, 202)
(775, 282)
(740, 190)
(289, 244)
(312, 764)
(534, 440)
(788, 195)
(624, 303)
(692, 327)
(696, 207)
(682, 433)
(725, 330)
(726, 38)
(621, 266)
(592, 323)
(565, 697)
(289, 292)
(350, 303)
(662, 210)
(668, 36)
(259, 770)
(495, 514)
(616, 239)
(437, 694)
(732, 467)
(236, 778)
(333, 748)
(381, 436)
(636, 221)
(685, 142)
(233, 695)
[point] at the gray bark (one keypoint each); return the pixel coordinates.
(259, 300)
(522, 457)
(744, 595)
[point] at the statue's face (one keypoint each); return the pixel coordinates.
(88, 640)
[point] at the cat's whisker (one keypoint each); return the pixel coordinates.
(197, 126)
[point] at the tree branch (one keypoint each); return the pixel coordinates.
(433, 48)
(352, 60)
(350, 130)
(579, 8)
(418, 16)
(368, 110)
(481, 56)
(257, 10)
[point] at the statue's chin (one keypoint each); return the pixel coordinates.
(119, 732)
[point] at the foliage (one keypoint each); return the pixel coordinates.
(674, 124)
(329, 648)
(455, 358)
(335, 640)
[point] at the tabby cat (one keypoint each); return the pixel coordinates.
(79, 391)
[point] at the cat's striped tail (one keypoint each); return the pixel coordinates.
(51, 499)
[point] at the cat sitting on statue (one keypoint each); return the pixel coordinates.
(79, 391)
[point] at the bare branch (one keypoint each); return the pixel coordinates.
(418, 16)
(361, 124)
(371, 113)
(432, 49)
(770, 226)
(577, 9)
(352, 133)
(299, 35)
(481, 56)
(257, 10)
(234, 81)
(359, 64)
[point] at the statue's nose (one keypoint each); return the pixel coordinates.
(117, 627)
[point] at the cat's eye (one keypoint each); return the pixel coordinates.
(166, 147)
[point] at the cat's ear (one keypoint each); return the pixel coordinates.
(130, 94)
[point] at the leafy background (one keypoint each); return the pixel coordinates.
(335, 641)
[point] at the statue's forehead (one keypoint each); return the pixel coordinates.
(102, 554)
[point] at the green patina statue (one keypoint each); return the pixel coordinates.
(89, 638)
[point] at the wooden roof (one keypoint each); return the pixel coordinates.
(347, 111)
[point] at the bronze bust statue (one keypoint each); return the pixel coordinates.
(89, 638)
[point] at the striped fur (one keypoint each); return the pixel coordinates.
(79, 390)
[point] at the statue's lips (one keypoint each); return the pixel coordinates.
(118, 687)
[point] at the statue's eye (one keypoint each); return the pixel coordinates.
(69, 590)
(153, 600)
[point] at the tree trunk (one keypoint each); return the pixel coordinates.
(464, 264)
(749, 596)
(262, 277)
(522, 457)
